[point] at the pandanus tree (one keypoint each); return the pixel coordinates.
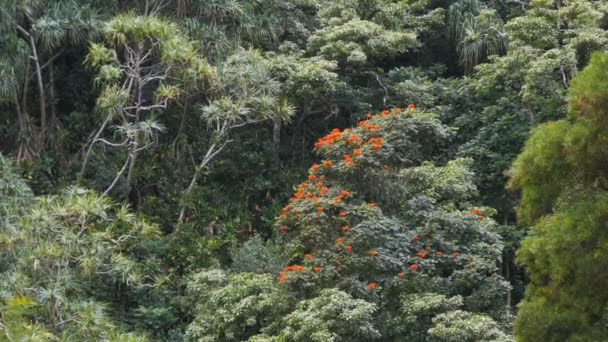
(242, 93)
(33, 34)
(143, 64)
(65, 260)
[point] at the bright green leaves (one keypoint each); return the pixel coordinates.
(245, 92)
(356, 41)
(332, 316)
(66, 253)
(233, 308)
(460, 326)
(540, 169)
(589, 94)
(561, 173)
(565, 256)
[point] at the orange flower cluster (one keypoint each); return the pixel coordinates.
(317, 190)
(283, 273)
(478, 212)
(329, 139)
(348, 159)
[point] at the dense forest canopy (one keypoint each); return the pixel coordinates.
(303, 170)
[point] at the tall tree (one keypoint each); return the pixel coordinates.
(34, 34)
(564, 182)
(143, 64)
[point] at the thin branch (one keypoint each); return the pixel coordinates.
(379, 80)
(120, 173)
(208, 157)
(124, 143)
(244, 123)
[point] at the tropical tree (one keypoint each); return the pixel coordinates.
(34, 34)
(242, 93)
(62, 262)
(379, 253)
(478, 32)
(564, 203)
(142, 66)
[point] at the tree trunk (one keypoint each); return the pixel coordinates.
(133, 156)
(85, 159)
(276, 140)
(52, 100)
(40, 90)
(180, 129)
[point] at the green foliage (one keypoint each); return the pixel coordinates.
(357, 41)
(233, 308)
(478, 32)
(257, 256)
(332, 316)
(430, 242)
(15, 195)
(464, 326)
(198, 113)
(65, 251)
(564, 202)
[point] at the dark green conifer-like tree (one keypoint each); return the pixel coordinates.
(563, 175)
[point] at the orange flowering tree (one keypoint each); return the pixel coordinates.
(380, 242)
(377, 221)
